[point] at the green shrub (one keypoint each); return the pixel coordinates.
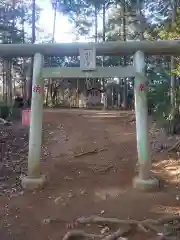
(161, 109)
(5, 110)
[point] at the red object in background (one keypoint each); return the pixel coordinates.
(26, 117)
(141, 87)
(37, 89)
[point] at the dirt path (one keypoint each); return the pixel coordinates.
(99, 183)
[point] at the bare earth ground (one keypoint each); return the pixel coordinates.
(93, 183)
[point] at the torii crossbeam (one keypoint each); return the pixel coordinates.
(118, 48)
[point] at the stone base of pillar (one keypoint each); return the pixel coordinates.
(32, 183)
(145, 185)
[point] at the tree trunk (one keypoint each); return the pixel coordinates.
(96, 23)
(7, 70)
(48, 89)
(104, 39)
(33, 41)
(53, 38)
(4, 82)
(173, 77)
(173, 63)
(125, 62)
(24, 80)
(77, 93)
(104, 22)
(120, 91)
(139, 13)
(10, 81)
(54, 22)
(24, 70)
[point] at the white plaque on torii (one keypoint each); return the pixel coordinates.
(88, 59)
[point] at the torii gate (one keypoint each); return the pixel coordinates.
(144, 181)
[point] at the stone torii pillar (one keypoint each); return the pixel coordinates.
(34, 179)
(144, 181)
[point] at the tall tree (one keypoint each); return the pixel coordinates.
(124, 39)
(54, 5)
(173, 61)
(12, 30)
(32, 59)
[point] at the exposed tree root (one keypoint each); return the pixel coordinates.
(153, 128)
(101, 220)
(167, 219)
(175, 147)
(77, 234)
(119, 233)
(4, 122)
(162, 227)
(142, 228)
(103, 169)
(96, 150)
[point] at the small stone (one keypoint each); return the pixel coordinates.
(160, 234)
(46, 221)
(14, 190)
(178, 197)
(21, 193)
(70, 195)
(70, 225)
(102, 212)
(57, 200)
(68, 178)
(104, 230)
(65, 204)
(83, 192)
